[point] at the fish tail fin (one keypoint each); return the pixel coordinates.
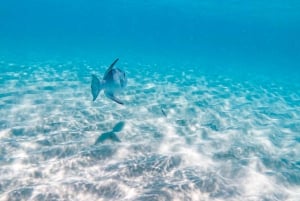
(96, 87)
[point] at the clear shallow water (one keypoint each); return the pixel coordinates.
(218, 138)
(212, 106)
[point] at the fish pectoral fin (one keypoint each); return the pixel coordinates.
(112, 97)
(96, 87)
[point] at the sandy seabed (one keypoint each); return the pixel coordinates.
(181, 135)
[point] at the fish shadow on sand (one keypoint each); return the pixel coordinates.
(111, 135)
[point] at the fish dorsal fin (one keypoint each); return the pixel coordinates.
(110, 67)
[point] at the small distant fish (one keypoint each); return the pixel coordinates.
(114, 80)
(163, 112)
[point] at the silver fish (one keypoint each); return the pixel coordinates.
(114, 81)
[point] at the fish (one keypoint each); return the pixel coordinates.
(113, 82)
(163, 111)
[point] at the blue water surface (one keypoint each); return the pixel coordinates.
(212, 104)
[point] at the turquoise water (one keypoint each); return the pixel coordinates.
(212, 103)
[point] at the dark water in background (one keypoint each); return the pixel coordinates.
(256, 34)
(212, 107)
